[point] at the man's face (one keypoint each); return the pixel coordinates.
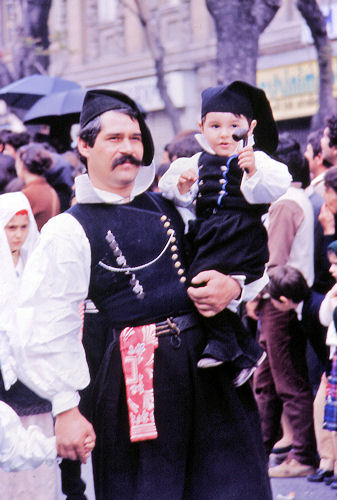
(314, 162)
(330, 197)
(329, 153)
(120, 136)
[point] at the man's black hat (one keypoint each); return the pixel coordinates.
(99, 101)
(241, 98)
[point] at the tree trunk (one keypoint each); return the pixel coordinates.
(32, 56)
(316, 22)
(238, 25)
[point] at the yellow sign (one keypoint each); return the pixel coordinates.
(293, 89)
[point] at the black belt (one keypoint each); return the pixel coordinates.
(175, 325)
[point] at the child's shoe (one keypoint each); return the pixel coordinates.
(209, 362)
(246, 373)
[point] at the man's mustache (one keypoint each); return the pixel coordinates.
(126, 159)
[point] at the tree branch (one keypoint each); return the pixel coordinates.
(264, 11)
(151, 30)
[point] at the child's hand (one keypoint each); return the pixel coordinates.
(247, 160)
(186, 180)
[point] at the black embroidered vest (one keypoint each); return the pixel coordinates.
(155, 289)
(219, 186)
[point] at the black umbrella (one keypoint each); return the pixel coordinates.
(25, 92)
(65, 106)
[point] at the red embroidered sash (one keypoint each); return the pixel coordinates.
(137, 345)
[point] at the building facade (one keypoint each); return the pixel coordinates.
(102, 43)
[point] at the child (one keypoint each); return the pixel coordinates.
(18, 237)
(287, 288)
(290, 394)
(232, 193)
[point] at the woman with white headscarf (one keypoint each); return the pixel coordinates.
(18, 237)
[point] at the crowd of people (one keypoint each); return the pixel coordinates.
(177, 323)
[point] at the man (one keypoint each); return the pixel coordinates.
(120, 247)
(281, 383)
(316, 349)
(317, 165)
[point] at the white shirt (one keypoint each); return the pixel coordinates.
(326, 318)
(45, 337)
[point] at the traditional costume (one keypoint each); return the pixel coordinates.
(163, 429)
(228, 234)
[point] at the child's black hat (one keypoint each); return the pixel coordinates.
(241, 98)
(99, 101)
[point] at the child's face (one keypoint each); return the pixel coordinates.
(333, 265)
(17, 231)
(218, 129)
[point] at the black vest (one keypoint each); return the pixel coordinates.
(141, 230)
(219, 186)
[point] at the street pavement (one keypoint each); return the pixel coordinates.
(297, 488)
(302, 489)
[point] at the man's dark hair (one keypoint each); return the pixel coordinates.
(18, 139)
(184, 146)
(7, 171)
(289, 152)
(314, 138)
(91, 130)
(332, 124)
(289, 282)
(3, 136)
(330, 178)
(35, 158)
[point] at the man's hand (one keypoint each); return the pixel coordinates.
(327, 220)
(247, 160)
(186, 180)
(75, 436)
(216, 293)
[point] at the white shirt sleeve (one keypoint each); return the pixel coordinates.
(325, 313)
(21, 448)
(271, 180)
(168, 182)
(45, 338)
